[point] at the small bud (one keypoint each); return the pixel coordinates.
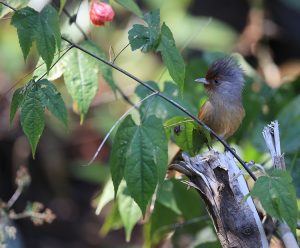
(22, 178)
(100, 13)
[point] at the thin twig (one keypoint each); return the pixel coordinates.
(14, 197)
(120, 52)
(23, 77)
(161, 95)
(113, 127)
(68, 49)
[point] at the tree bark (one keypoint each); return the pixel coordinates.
(221, 185)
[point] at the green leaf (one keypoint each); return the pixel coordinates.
(186, 134)
(47, 34)
(25, 20)
(144, 37)
(129, 211)
(165, 196)
(288, 117)
(81, 78)
(81, 75)
(123, 136)
(171, 56)
(140, 153)
(146, 160)
(53, 101)
(32, 115)
(41, 27)
(16, 102)
(277, 196)
(131, 6)
(107, 195)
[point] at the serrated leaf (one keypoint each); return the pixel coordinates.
(129, 211)
(53, 101)
(81, 78)
(123, 135)
(166, 197)
(140, 153)
(131, 6)
(144, 37)
(41, 27)
(277, 196)
(32, 115)
(171, 56)
(47, 34)
(81, 75)
(146, 160)
(16, 102)
(25, 20)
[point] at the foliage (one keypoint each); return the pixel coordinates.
(32, 99)
(139, 155)
(277, 196)
(159, 39)
(43, 28)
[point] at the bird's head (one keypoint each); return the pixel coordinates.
(224, 80)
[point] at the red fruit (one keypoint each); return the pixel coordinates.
(100, 13)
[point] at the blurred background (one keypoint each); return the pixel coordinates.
(265, 36)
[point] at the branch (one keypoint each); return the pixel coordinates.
(161, 95)
(218, 180)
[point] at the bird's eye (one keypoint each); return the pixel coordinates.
(217, 82)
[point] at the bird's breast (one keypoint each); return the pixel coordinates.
(223, 118)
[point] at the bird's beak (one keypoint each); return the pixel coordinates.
(202, 81)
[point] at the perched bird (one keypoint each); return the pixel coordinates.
(223, 112)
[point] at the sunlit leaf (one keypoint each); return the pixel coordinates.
(129, 211)
(107, 195)
(187, 134)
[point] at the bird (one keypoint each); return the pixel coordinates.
(223, 111)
